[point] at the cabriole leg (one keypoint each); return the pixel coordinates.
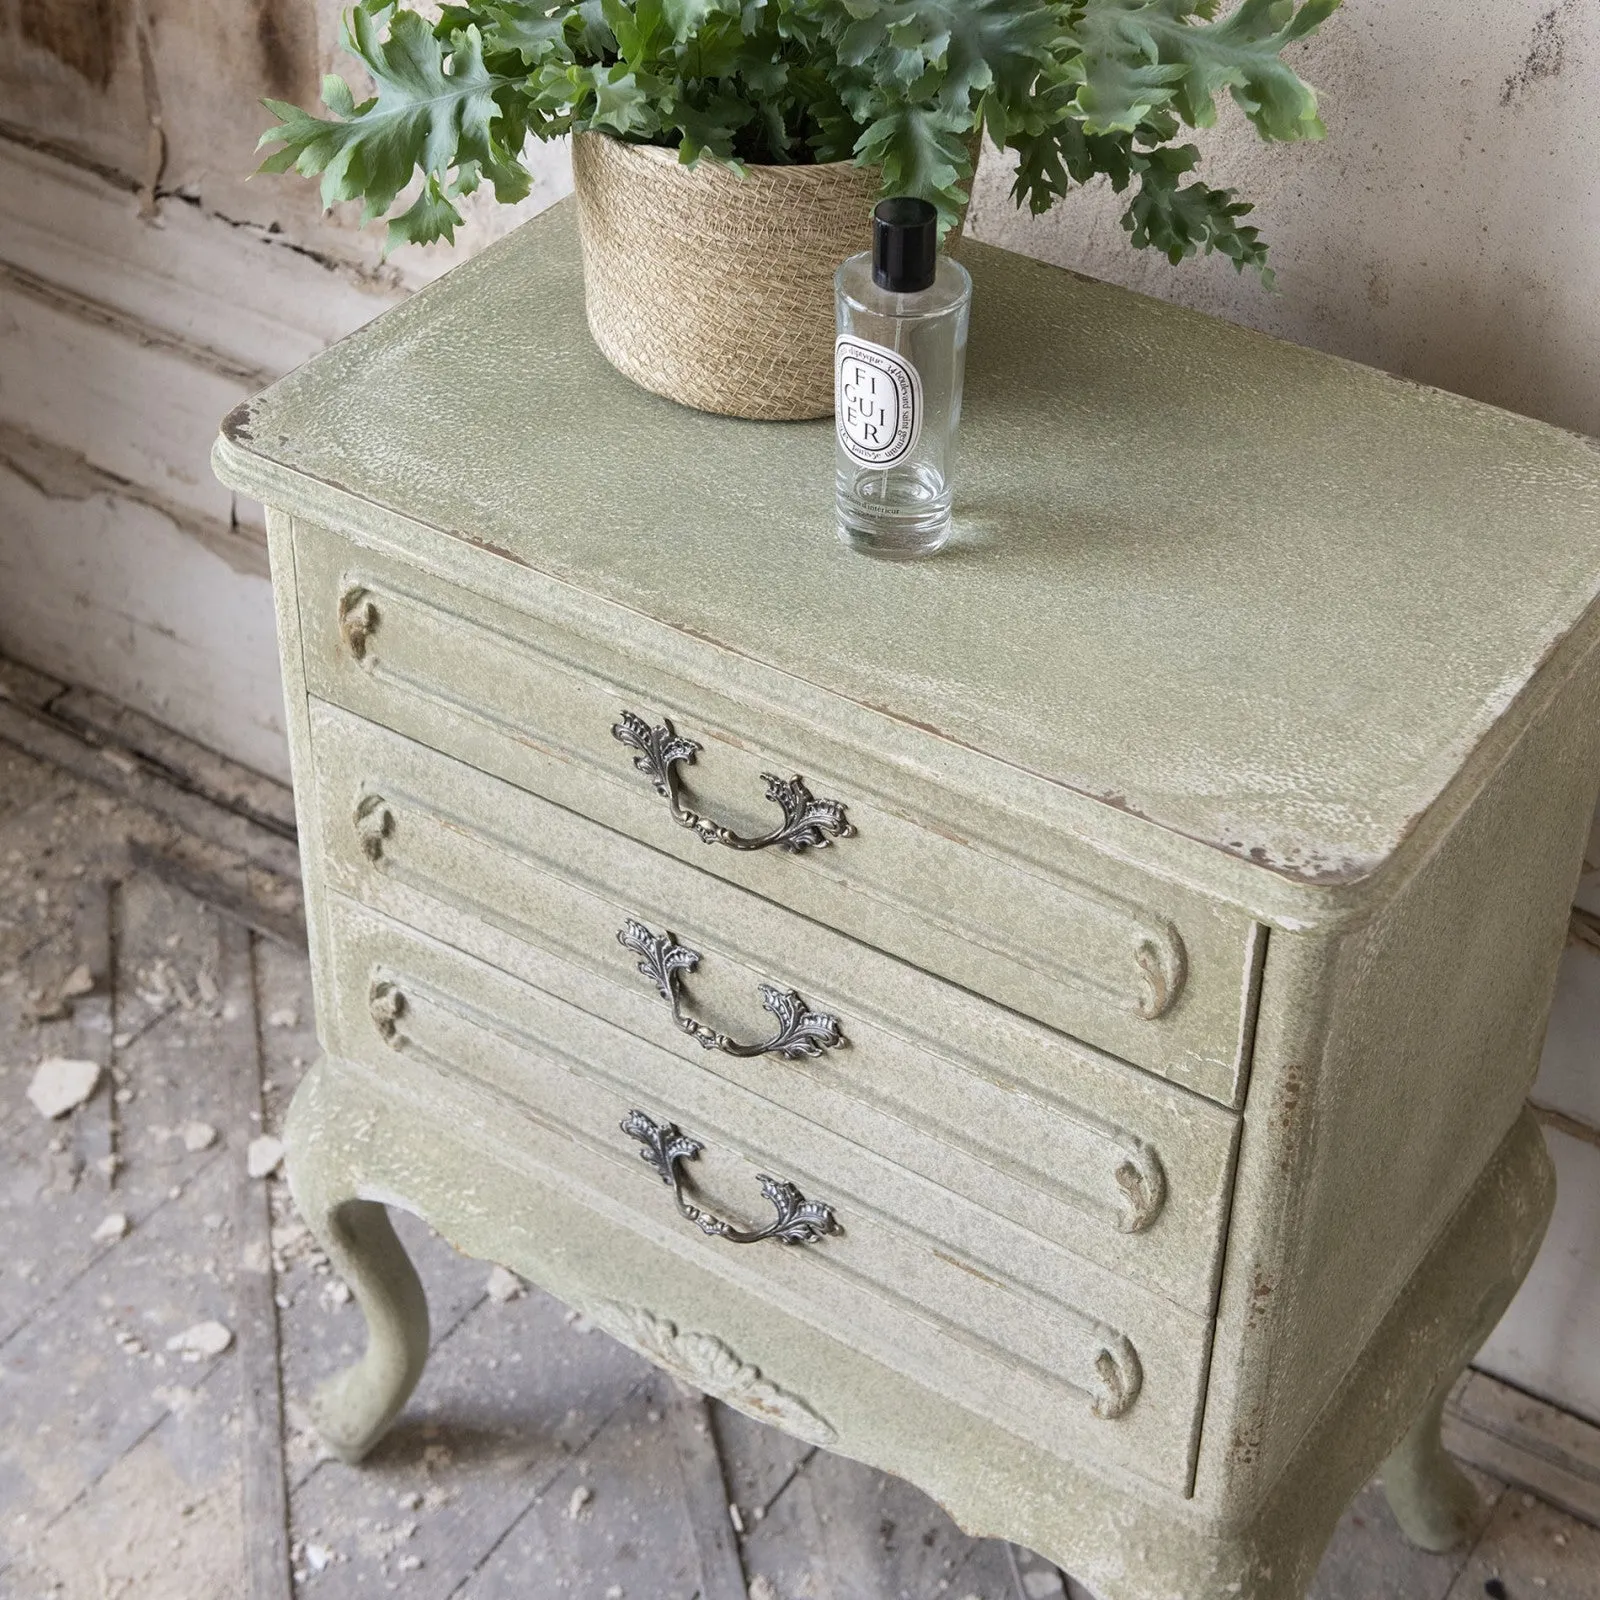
(354, 1408)
(1433, 1500)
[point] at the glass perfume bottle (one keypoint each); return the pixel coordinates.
(898, 364)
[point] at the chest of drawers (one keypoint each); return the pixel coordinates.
(1073, 998)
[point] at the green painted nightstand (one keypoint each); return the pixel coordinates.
(1104, 964)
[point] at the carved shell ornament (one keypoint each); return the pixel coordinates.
(386, 1005)
(1143, 1183)
(706, 1363)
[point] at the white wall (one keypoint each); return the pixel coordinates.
(1449, 230)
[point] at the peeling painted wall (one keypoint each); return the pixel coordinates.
(162, 97)
(147, 284)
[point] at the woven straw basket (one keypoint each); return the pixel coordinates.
(713, 289)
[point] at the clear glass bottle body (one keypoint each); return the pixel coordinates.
(899, 363)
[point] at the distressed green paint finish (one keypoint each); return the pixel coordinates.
(986, 1314)
(1219, 811)
(1060, 1138)
(1234, 586)
(353, 1141)
(1077, 937)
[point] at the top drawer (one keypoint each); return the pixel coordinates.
(1083, 941)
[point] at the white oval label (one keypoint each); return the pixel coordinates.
(877, 402)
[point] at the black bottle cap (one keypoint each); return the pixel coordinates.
(905, 245)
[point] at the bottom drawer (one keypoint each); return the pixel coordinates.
(990, 1316)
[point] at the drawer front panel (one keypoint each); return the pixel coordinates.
(1084, 942)
(999, 1321)
(1109, 1163)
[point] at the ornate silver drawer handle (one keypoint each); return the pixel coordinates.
(801, 1031)
(808, 823)
(798, 1220)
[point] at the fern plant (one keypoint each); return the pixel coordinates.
(1077, 88)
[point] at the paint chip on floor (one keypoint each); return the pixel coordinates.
(62, 1084)
(202, 1341)
(264, 1156)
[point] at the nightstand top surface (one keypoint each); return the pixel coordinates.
(1262, 597)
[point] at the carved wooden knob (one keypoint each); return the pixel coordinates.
(1143, 1183)
(1163, 967)
(374, 822)
(1118, 1378)
(358, 621)
(387, 1005)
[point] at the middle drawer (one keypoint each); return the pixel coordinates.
(1104, 1160)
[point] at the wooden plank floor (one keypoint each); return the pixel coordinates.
(538, 1458)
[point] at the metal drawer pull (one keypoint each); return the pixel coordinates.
(798, 1220)
(808, 823)
(801, 1031)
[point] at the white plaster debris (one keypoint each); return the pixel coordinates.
(198, 1136)
(578, 1505)
(1040, 1585)
(503, 1285)
(763, 1588)
(114, 1226)
(735, 1517)
(318, 1557)
(203, 1340)
(409, 1501)
(79, 981)
(615, 1592)
(263, 1156)
(409, 1563)
(61, 1084)
(290, 1239)
(283, 1017)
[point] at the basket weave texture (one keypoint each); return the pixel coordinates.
(713, 289)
